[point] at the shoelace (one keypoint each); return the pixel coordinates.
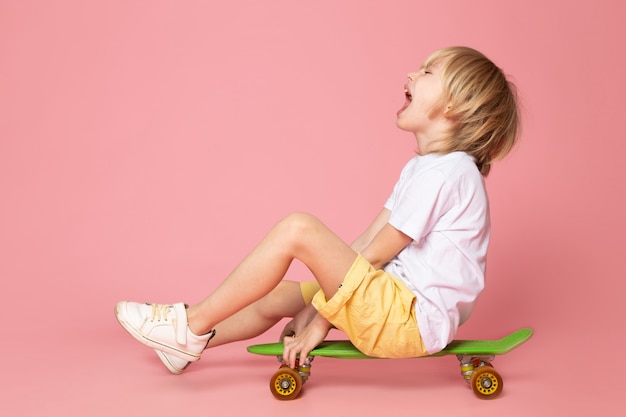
(159, 311)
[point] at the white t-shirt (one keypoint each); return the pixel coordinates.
(440, 202)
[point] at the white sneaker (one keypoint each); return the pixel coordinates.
(164, 328)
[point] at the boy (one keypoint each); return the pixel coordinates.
(410, 280)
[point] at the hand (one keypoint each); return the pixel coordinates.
(302, 343)
(299, 322)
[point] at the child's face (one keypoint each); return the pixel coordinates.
(421, 109)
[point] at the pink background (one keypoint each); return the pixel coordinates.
(145, 146)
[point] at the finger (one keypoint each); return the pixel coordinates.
(304, 356)
(305, 352)
(288, 351)
(290, 359)
(293, 354)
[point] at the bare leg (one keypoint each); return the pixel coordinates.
(284, 301)
(298, 236)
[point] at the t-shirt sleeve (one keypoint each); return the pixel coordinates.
(417, 202)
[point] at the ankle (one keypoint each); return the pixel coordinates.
(196, 325)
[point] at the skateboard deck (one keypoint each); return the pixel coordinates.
(475, 358)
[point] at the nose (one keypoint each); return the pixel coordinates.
(411, 76)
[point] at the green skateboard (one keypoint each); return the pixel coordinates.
(474, 356)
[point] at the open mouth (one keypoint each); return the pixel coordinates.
(408, 97)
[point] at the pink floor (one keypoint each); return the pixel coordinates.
(101, 371)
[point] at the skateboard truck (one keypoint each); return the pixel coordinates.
(304, 370)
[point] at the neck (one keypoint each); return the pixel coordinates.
(428, 141)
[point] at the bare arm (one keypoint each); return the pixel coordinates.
(388, 243)
(381, 241)
(372, 230)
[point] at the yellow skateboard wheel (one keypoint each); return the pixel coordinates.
(486, 382)
(286, 383)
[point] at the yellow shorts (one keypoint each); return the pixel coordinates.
(376, 311)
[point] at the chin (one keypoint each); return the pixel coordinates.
(402, 125)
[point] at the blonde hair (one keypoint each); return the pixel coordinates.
(480, 101)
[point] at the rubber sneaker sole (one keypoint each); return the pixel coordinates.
(168, 360)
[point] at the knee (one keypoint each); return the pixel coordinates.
(297, 226)
(300, 223)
